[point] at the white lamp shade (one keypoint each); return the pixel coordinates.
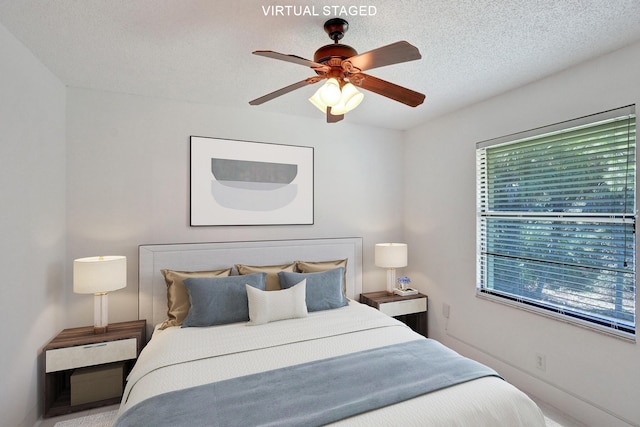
(390, 255)
(95, 275)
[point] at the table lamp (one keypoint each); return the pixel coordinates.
(98, 276)
(391, 256)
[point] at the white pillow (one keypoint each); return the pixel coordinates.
(268, 306)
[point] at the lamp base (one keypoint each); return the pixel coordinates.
(391, 280)
(97, 330)
(100, 310)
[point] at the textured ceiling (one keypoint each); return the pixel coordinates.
(200, 50)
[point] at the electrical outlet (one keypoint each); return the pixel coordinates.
(445, 310)
(541, 361)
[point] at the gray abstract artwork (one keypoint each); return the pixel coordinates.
(252, 185)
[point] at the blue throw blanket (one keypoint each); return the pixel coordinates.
(314, 393)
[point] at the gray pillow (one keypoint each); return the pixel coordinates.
(324, 289)
(220, 300)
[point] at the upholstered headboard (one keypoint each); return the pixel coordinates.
(152, 299)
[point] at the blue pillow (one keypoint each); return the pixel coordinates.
(220, 300)
(324, 289)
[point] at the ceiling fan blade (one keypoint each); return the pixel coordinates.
(390, 90)
(333, 119)
(394, 53)
(284, 90)
(292, 58)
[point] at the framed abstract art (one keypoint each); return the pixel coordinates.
(250, 183)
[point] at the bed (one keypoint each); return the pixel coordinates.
(346, 365)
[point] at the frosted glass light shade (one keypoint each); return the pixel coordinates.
(95, 275)
(330, 92)
(351, 98)
(347, 99)
(315, 100)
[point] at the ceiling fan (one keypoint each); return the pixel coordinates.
(343, 68)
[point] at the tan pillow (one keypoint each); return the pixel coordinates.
(177, 296)
(318, 266)
(272, 282)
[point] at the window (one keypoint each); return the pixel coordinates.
(556, 212)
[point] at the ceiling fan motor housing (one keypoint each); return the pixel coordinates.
(336, 50)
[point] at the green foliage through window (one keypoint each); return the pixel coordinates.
(556, 220)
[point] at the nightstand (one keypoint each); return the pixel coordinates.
(411, 309)
(84, 370)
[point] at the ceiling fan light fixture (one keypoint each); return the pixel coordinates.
(350, 99)
(330, 92)
(340, 64)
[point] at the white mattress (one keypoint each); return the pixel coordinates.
(178, 358)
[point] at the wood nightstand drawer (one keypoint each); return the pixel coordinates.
(90, 354)
(410, 309)
(399, 308)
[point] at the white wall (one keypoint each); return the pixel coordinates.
(32, 224)
(591, 376)
(128, 182)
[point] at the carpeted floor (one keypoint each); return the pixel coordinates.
(102, 419)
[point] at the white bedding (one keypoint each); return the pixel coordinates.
(178, 358)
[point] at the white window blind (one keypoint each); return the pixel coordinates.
(556, 221)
